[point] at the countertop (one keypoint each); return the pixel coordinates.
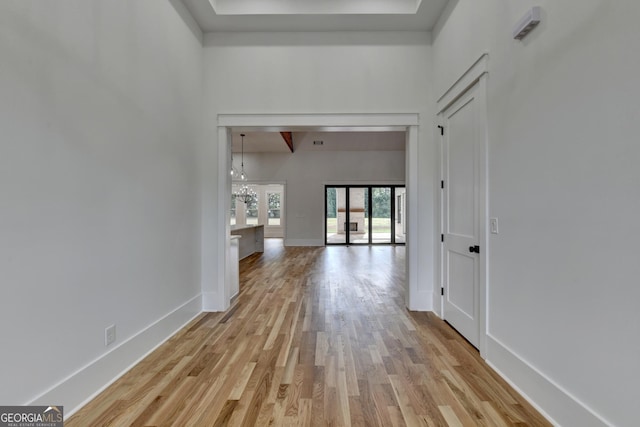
(244, 227)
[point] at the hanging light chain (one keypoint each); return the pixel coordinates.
(243, 176)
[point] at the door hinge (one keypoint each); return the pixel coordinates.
(442, 237)
(442, 291)
(441, 184)
(441, 130)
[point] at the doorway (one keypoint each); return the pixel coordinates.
(216, 190)
(365, 215)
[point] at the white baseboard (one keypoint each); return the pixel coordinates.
(304, 242)
(272, 234)
(85, 384)
(550, 399)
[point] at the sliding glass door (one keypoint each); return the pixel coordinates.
(357, 215)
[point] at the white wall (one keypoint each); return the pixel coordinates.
(563, 153)
(306, 173)
(320, 73)
(100, 111)
(316, 73)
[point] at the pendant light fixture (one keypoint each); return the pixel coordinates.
(243, 176)
(234, 171)
(245, 194)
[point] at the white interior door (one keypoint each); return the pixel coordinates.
(462, 145)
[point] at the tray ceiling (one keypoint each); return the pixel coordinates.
(315, 15)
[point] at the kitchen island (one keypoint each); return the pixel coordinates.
(252, 239)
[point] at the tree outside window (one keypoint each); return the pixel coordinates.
(252, 212)
(233, 209)
(274, 210)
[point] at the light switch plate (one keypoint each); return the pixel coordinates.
(109, 335)
(493, 225)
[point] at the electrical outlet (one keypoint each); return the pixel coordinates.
(109, 335)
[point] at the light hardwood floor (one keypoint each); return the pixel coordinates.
(317, 337)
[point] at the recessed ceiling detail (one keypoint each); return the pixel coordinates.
(315, 15)
(315, 7)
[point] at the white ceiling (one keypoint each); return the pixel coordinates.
(272, 142)
(315, 15)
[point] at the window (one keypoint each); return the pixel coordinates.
(273, 212)
(252, 212)
(233, 210)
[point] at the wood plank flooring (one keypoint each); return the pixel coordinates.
(317, 337)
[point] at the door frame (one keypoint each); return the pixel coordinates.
(216, 190)
(478, 75)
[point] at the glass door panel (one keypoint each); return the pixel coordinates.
(400, 209)
(335, 201)
(381, 214)
(358, 219)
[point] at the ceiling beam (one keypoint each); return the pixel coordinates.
(288, 138)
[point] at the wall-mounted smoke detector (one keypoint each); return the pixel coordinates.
(528, 22)
(318, 142)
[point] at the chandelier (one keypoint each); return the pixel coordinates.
(245, 194)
